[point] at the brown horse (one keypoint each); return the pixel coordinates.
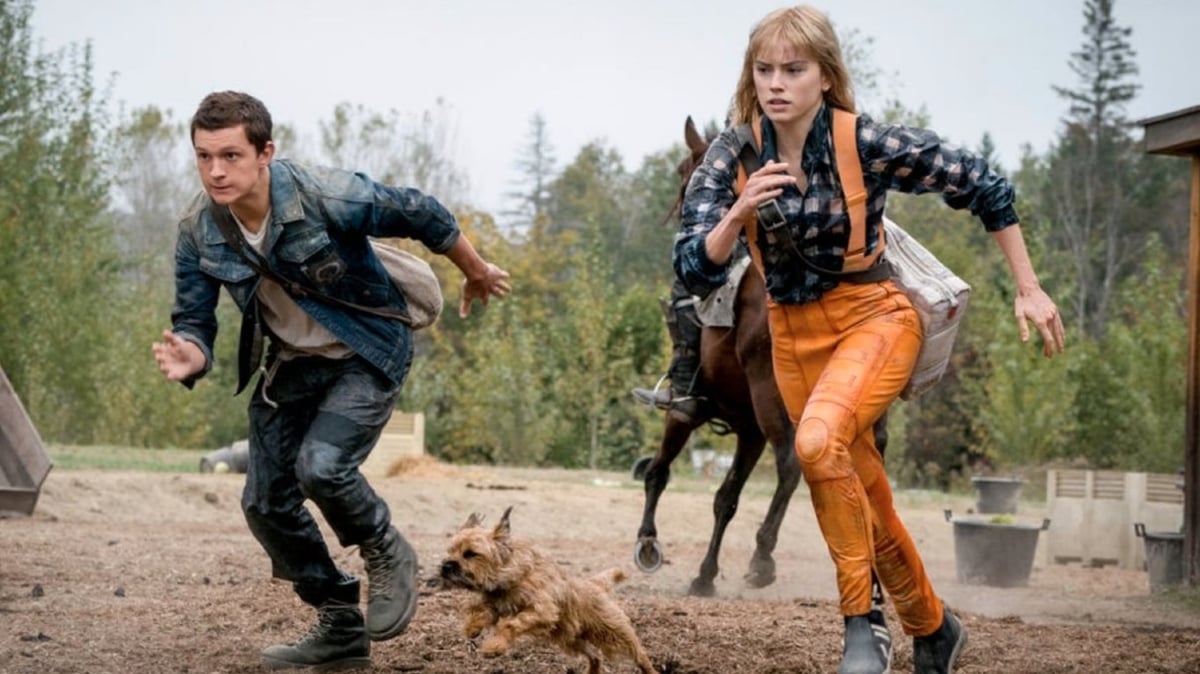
(738, 378)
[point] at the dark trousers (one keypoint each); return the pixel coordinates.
(310, 433)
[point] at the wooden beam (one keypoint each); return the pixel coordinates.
(1191, 479)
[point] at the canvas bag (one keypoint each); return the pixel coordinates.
(940, 298)
(416, 280)
(937, 293)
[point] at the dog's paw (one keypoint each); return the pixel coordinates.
(494, 646)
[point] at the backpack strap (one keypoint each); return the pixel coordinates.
(749, 138)
(854, 190)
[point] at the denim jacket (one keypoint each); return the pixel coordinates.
(317, 234)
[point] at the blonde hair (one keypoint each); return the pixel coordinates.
(803, 28)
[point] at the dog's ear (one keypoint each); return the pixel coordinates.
(473, 520)
(502, 527)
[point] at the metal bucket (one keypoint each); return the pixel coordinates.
(997, 494)
(1164, 557)
(999, 554)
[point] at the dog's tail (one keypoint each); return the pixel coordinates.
(607, 580)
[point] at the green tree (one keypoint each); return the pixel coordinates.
(595, 349)
(414, 151)
(653, 192)
(588, 199)
(1132, 383)
(153, 181)
(57, 258)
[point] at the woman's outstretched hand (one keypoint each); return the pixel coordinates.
(1036, 306)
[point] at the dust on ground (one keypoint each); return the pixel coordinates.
(130, 572)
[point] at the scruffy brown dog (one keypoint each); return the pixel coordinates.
(522, 593)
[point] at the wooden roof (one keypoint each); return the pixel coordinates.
(1173, 133)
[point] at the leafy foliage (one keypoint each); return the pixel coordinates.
(57, 258)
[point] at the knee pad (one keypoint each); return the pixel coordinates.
(812, 438)
(818, 461)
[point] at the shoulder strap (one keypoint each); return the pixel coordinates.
(233, 236)
(749, 139)
(850, 173)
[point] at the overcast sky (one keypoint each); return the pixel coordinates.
(625, 71)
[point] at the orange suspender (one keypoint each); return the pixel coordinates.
(845, 146)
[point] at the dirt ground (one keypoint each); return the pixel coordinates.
(135, 572)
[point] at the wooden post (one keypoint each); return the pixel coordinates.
(1191, 479)
(1178, 133)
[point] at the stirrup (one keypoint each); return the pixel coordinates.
(654, 393)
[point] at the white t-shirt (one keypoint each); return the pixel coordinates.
(298, 333)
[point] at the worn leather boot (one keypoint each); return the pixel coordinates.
(391, 565)
(684, 327)
(338, 641)
(937, 652)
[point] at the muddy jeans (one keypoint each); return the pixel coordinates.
(840, 362)
(308, 436)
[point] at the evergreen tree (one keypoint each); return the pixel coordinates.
(1094, 170)
(535, 167)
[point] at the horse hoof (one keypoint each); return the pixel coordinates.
(761, 573)
(702, 588)
(757, 580)
(647, 555)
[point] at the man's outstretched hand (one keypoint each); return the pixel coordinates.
(494, 281)
(177, 358)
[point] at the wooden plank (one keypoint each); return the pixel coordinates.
(403, 436)
(18, 500)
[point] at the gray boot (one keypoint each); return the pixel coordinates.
(938, 652)
(338, 641)
(391, 584)
(866, 648)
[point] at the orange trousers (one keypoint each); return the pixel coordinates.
(839, 363)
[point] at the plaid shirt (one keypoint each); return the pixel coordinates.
(893, 157)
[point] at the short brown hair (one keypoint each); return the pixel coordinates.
(225, 109)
